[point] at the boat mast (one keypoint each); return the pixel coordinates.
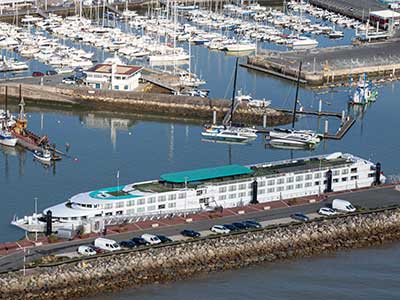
(297, 94)
(6, 103)
(234, 90)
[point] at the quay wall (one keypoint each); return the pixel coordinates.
(186, 107)
(185, 259)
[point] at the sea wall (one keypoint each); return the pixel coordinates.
(211, 254)
(184, 107)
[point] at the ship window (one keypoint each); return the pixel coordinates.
(130, 211)
(151, 200)
(336, 180)
(250, 193)
(222, 197)
(280, 181)
(119, 204)
(108, 206)
(317, 175)
(317, 183)
(151, 208)
(336, 173)
(299, 186)
(161, 206)
(289, 187)
(344, 179)
(353, 170)
(242, 186)
(345, 171)
(182, 195)
(261, 183)
(308, 184)
(354, 177)
(271, 182)
(203, 200)
(84, 217)
(119, 212)
(97, 215)
(171, 197)
(140, 209)
(289, 179)
(299, 178)
(271, 190)
(130, 203)
(162, 198)
(280, 188)
(262, 191)
(232, 196)
(109, 214)
(308, 177)
(171, 205)
(199, 192)
(232, 188)
(222, 189)
(242, 194)
(141, 201)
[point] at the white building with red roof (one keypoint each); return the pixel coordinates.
(113, 75)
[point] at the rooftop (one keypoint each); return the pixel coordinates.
(206, 174)
(386, 14)
(120, 69)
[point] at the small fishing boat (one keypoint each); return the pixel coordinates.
(6, 138)
(43, 155)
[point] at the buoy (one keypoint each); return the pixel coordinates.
(75, 159)
(58, 121)
(130, 133)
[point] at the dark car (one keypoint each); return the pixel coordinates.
(37, 74)
(239, 225)
(97, 249)
(163, 238)
(128, 244)
(190, 233)
(231, 227)
(252, 224)
(51, 72)
(300, 217)
(139, 241)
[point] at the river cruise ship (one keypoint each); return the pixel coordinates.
(206, 189)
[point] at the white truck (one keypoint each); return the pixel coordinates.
(106, 244)
(343, 205)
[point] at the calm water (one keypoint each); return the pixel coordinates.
(365, 274)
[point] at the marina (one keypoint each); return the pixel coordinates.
(178, 139)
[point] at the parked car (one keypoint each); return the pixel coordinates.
(128, 244)
(106, 244)
(252, 224)
(51, 72)
(86, 251)
(219, 229)
(139, 241)
(151, 239)
(300, 217)
(239, 225)
(163, 238)
(190, 233)
(37, 74)
(68, 80)
(231, 227)
(343, 205)
(326, 211)
(97, 249)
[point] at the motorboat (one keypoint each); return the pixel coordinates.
(252, 102)
(278, 133)
(42, 155)
(6, 137)
(303, 43)
(228, 134)
(364, 93)
(296, 139)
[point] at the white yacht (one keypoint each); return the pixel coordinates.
(228, 133)
(303, 43)
(6, 137)
(202, 189)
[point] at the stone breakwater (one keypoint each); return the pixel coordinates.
(183, 260)
(184, 107)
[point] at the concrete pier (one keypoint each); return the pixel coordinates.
(334, 65)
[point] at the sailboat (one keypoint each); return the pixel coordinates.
(230, 132)
(292, 137)
(6, 137)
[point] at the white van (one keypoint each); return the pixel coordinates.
(106, 244)
(86, 251)
(151, 239)
(343, 205)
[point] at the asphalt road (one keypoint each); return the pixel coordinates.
(373, 198)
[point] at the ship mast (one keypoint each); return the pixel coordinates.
(297, 94)
(234, 90)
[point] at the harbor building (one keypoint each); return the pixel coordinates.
(113, 76)
(385, 19)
